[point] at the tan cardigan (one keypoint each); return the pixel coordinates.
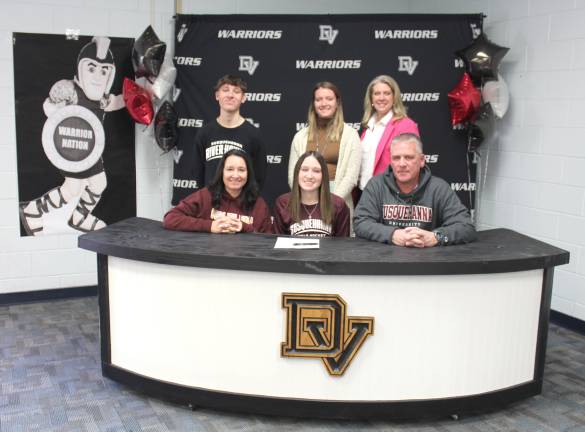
(348, 163)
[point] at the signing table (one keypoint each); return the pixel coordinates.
(354, 329)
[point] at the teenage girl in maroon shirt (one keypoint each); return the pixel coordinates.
(310, 209)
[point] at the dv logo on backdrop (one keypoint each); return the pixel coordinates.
(182, 32)
(248, 64)
(177, 154)
(327, 33)
(407, 64)
(475, 30)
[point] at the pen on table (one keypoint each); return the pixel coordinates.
(306, 244)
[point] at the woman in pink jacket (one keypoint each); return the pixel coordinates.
(384, 118)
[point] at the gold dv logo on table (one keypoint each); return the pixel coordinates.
(317, 325)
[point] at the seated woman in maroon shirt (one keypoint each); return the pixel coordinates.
(230, 204)
(310, 209)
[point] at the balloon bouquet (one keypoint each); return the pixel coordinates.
(482, 59)
(148, 60)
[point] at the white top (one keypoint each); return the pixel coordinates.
(370, 142)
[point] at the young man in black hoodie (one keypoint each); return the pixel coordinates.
(407, 206)
(230, 130)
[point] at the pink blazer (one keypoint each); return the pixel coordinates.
(393, 128)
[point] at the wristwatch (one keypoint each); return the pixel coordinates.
(441, 239)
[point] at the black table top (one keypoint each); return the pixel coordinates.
(496, 251)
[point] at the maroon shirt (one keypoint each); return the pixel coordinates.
(311, 223)
(195, 213)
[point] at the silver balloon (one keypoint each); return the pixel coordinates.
(497, 94)
(164, 81)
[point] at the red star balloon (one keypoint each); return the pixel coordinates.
(464, 100)
(137, 102)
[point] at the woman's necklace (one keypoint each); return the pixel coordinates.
(317, 145)
(310, 213)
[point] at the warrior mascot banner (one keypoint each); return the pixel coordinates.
(75, 142)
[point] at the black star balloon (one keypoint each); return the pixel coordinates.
(482, 59)
(148, 54)
(165, 127)
(482, 127)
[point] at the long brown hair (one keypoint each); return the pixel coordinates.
(335, 125)
(294, 203)
(249, 193)
(398, 108)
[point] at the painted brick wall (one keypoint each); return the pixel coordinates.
(534, 169)
(28, 264)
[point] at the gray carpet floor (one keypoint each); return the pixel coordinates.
(50, 380)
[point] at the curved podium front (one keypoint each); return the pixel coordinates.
(354, 329)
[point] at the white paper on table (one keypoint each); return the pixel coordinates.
(296, 243)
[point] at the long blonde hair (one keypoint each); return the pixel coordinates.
(335, 125)
(398, 108)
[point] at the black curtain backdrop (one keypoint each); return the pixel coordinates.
(281, 57)
(40, 60)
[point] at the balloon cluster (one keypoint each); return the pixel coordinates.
(158, 76)
(481, 94)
